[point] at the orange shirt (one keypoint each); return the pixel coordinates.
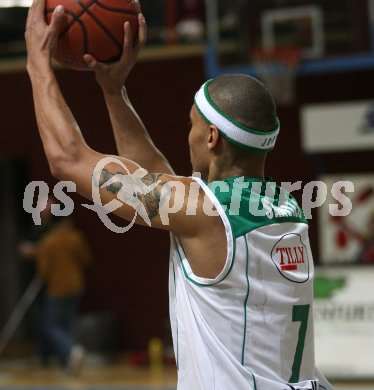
(62, 255)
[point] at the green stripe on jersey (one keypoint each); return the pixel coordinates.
(252, 203)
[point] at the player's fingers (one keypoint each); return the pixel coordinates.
(57, 18)
(35, 11)
(38, 7)
(90, 61)
(127, 41)
(38, 4)
(142, 34)
(29, 16)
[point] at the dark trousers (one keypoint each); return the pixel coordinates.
(43, 345)
(59, 324)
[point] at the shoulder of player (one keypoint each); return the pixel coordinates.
(186, 203)
(170, 183)
(176, 186)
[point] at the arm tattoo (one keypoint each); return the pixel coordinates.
(114, 188)
(153, 200)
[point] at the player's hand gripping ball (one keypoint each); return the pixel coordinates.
(93, 27)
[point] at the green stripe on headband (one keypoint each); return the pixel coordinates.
(235, 132)
(233, 121)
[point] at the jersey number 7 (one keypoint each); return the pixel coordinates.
(300, 313)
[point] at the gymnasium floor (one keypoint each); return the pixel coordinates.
(20, 376)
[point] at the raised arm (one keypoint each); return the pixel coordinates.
(68, 155)
(132, 139)
(158, 200)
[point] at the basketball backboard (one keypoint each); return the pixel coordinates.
(332, 34)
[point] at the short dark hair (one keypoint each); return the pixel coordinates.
(246, 100)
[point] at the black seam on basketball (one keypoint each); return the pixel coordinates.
(66, 11)
(85, 9)
(100, 24)
(74, 16)
(103, 27)
(85, 33)
(122, 11)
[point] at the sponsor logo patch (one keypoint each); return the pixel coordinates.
(290, 256)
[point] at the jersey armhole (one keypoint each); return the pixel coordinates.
(229, 239)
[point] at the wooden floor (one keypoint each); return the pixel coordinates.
(20, 375)
(28, 375)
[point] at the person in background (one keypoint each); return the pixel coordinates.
(62, 257)
(27, 249)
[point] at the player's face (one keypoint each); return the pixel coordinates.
(197, 140)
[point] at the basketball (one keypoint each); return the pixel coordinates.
(93, 27)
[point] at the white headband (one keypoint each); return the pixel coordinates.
(232, 130)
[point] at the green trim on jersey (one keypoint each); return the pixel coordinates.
(246, 298)
(253, 203)
(175, 288)
(177, 245)
(254, 382)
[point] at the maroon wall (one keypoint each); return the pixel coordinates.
(129, 275)
(294, 164)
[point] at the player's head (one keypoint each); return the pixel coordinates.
(234, 115)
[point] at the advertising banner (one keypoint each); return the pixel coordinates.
(344, 321)
(347, 238)
(337, 127)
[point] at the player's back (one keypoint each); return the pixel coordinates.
(252, 326)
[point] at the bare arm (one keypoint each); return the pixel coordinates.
(69, 156)
(160, 200)
(132, 139)
(163, 198)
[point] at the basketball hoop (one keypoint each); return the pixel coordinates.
(277, 68)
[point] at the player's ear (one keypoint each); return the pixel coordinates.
(213, 137)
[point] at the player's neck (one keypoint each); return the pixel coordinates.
(249, 169)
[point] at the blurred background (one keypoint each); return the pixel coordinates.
(317, 57)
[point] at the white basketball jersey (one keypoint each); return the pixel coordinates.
(252, 326)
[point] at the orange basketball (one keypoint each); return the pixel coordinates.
(92, 27)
